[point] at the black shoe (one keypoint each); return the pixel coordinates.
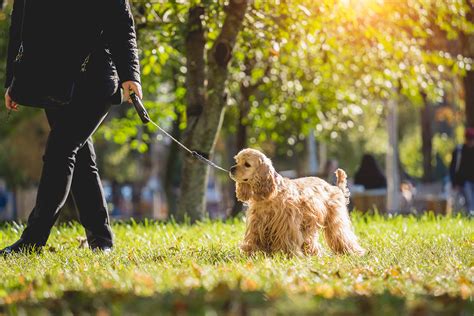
(103, 249)
(21, 247)
(99, 244)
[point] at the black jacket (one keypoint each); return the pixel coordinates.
(462, 165)
(369, 174)
(58, 35)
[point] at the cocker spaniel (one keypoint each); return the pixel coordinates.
(286, 215)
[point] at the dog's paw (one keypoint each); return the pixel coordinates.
(247, 249)
(360, 252)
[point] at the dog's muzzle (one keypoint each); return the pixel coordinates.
(232, 171)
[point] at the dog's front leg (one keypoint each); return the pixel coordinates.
(311, 246)
(250, 243)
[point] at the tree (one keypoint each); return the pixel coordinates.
(206, 102)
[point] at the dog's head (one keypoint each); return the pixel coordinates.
(254, 175)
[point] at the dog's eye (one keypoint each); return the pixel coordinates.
(247, 165)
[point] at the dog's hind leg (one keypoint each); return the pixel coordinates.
(338, 230)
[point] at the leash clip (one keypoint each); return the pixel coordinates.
(196, 155)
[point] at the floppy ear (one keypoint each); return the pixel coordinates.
(243, 191)
(264, 182)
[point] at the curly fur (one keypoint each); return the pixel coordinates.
(287, 215)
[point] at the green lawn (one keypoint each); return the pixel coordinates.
(413, 265)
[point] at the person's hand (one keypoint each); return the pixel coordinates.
(9, 103)
(131, 86)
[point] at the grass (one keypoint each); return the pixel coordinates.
(413, 264)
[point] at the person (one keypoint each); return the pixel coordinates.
(462, 169)
(369, 174)
(57, 36)
(3, 198)
(330, 168)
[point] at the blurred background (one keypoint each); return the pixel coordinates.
(381, 88)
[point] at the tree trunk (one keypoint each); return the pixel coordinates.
(173, 168)
(242, 133)
(205, 112)
(241, 142)
(427, 141)
(116, 197)
(467, 41)
(393, 180)
(469, 98)
(194, 179)
(312, 164)
(137, 188)
(322, 156)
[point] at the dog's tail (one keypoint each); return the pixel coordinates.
(342, 183)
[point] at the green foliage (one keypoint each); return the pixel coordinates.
(408, 257)
(324, 67)
(410, 154)
(314, 64)
(444, 146)
(329, 67)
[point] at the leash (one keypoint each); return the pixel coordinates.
(143, 114)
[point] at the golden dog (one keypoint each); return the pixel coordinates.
(286, 215)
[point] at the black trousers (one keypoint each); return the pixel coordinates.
(69, 164)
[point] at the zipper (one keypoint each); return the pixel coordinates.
(19, 56)
(84, 64)
(86, 61)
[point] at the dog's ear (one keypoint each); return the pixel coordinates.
(243, 191)
(264, 183)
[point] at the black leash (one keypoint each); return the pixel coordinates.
(143, 114)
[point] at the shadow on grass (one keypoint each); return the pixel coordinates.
(224, 301)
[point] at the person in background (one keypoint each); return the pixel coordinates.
(407, 197)
(329, 171)
(462, 169)
(369, 174)
(3, 198)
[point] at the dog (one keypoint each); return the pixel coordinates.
(287, 215)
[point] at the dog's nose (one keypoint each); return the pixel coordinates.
(232, 169)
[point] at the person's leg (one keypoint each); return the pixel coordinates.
(71, 127)
(88, 195)
(89, 198)
(469, 196)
